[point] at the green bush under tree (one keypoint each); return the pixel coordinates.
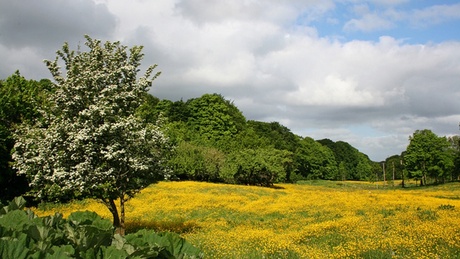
(81, 235)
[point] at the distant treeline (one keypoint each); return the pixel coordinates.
(214, 142)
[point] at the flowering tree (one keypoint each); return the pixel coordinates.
(89, 143)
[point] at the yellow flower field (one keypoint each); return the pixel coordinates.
(314, 220)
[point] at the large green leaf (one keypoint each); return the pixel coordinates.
(17, 203)
(40, 232)
(55, 221)
(90, 253)
(120, 243)
(14, 247)
(61, 252)
(89, 218)
(83, 235)
(87, 230)
(174, 245)
(178, 246)
(112, 252)
(16, 220)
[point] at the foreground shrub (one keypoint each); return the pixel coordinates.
(82, 235)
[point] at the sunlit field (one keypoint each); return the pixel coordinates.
(310, 220)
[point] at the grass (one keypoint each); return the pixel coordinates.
(313, 219)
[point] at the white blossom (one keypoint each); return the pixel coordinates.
(90, 142)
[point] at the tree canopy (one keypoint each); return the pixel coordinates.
(428, 155)
(20, 101)
(315, 161)
(90, 143)
(352, 164)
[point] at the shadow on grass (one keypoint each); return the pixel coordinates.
(179, 226)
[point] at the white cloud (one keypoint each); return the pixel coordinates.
(267, 57)
(434, 15)
(367, 23)
(333, 91)
(390, 2)
(386, 15)
(280, 12)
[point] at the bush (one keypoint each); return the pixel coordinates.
(83, 235)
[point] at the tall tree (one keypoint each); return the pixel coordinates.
(90, 143)
(315, 161)
(20, 100)
(214, 120)
(455, 147)
(262, 166)
(394, 167)
(351, 162)
(146, 111)
(199, 163)
(427, 155)
(278, 135)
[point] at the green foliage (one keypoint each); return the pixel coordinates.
(427, 214)
(211, 135)
(174, 247)
(394, 166)
(352, 164)
(214, 119)
(146, 111)
(17, 203)
(82, 235)
(263, 166)
(454, 142)
(192, 162)
(90, 143)
(315, 161)
(20, 100)
(446, 207)
(277, 135)
(428, 155)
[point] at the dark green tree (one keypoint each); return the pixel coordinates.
(353, 165)
(214, 120)
(20, 100)
(263, 166)
(147, 110)
(455, 147)
(428, 155)
(363, 168)
(394, 167)
(315, 161)
(276, 134)
(199, 163)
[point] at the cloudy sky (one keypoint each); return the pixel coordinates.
(366, 72)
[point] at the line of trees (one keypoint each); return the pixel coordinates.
(215, 142)
(429, 159)
(99, 122)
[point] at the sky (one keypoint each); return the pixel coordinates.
(370, 73)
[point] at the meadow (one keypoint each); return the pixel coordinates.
(313, 219)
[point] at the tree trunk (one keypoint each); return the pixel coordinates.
(122, 216)
(384, 174)
(402, 183)
(402, 174)
(393, 173)
(116, 219)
